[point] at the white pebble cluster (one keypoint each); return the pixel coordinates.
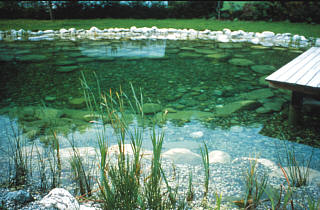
(266, 38)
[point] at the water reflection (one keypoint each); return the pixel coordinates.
(145, 49)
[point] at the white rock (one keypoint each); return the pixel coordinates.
(317, 42)
(218, 156)
(255, 41)
(196, 135)
(226, 31)
(61, 199)
(267, 34)
(182, 156)
(222, 38)
(63, 30)
(48, 31)
(72, 30)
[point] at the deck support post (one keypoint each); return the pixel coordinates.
(295, 108)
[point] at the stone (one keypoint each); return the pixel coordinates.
(236, 106)
(265, 162)
(272, 106)
(189, 55)
(196, 135)
(188, 115)
(61, 199)
(20, 196)
(50, 98)
(257, 94)
(32, 58)
(65, 62)
(77, 102)
(230, 45)
(218, 156)
(182, 156)
(241, 62)
(263, 69)
(205, 51)
(187, 48)
(114, 149)
(151, 108)
(218, 56)
(262, 80)
(84, 60)
(66, 68)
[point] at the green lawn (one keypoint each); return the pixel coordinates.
(198, 24)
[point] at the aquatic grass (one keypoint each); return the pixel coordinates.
(298, 172)
(205, 161)
(255, 187)
(81, 174)
(153, 181)
(313, 204)
(190, 192)
(218, 201)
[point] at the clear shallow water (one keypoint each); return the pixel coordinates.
(180, 75)
(195, 80)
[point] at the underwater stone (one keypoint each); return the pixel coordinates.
(77, 102)
(196, 135)
(189, 55)
(151, 108)
(66, 68)
(235, 106)
(230, 45)
(218, 56)
(32, 58)
(257, 94)
(65, 62)
(241, 62)
(205, 51)
(263, 68)
(272, 106)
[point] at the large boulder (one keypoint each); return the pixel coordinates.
(182, 156)
(61, 199)
(218, 156)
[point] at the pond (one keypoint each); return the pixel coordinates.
(213, 92)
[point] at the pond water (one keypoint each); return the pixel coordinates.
(213, 92)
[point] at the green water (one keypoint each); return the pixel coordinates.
(193, 79)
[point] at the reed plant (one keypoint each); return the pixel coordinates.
(205, 161)
(82, 173)
(298, 172)
(19, 158)
(255, 187)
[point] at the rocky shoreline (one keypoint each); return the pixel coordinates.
(265, 38)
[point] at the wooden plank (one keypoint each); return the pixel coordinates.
(308, 76)
(305, 73)
(298, 88)
(301, 60)
(295, 65)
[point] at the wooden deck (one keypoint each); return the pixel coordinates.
(302, 74)
(302, 77)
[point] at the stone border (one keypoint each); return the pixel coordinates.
(266, 38)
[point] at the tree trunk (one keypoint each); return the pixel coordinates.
(50, 9)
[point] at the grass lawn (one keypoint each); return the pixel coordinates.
(198, 24)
